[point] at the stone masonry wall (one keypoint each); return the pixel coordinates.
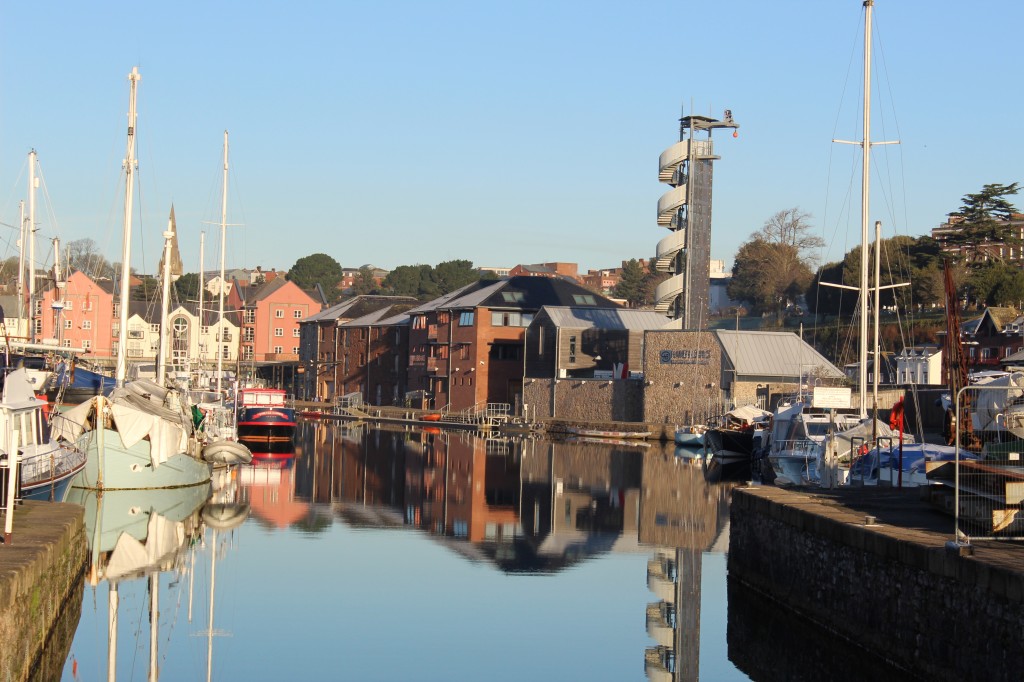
(38, 572)
(872, 585)
(585, 400)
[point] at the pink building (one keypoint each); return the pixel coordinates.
(86, 320)
(270, 318)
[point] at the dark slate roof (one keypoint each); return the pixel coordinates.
(530, 293)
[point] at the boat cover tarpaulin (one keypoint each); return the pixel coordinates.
(137, 415)
(748, 414)
(131, 557)
(991, 402)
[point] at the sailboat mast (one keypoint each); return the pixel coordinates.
(865, 192)
(165, 297)
(22, 308)
(126, 248)
(202, 313)
(223, 243)
(32, 183)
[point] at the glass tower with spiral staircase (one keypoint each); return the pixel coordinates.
(685, 210)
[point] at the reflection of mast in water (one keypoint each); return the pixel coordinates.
(683, 514)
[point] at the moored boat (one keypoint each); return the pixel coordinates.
(46, 464)
(738, 435)
(690, 436)
(264, 414)
(601, 433)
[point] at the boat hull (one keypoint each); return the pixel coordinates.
(274, 423)
(730, 445)
(115, 466)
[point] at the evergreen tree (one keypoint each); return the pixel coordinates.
(631, 283)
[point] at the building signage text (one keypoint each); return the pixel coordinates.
(684, 357)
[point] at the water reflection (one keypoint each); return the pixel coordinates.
(513, 537)
(536, 506)
(137, 537)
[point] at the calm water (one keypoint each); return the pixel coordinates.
(362, 554)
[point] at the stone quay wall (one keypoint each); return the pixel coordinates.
(39, 572)
(585, 400)
(926, 609)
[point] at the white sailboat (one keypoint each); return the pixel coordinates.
(809, 448)
(142, 436)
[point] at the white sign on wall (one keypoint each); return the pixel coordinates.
(831, 398)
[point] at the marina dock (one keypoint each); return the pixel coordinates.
(875, 567)
(41, 579)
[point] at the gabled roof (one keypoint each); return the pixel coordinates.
(372, 318)
(774, 354)
(568, 317)
(530, 293)
(999, 316)
(442, 301)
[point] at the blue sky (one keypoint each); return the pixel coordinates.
(416, 132)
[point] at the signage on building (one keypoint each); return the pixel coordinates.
(684, 357)
(831, 398)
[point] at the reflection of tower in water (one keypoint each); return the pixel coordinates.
(683, 515)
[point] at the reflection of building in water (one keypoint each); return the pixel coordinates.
(578, 500)
(268, 486)
(684, 515)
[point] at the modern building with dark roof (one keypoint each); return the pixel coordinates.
(466, 348)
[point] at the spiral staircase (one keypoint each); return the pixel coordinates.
(670, 255)
(675, 253)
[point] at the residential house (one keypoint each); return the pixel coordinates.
(79, 315)
(372, 353)
(920, 365)
(270, 315)
(466, 348)
(318, 341)
(996, 334)
(1002, 251)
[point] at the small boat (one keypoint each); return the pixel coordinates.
(618, 435)
(690, 436)
(430, 417)
(262, 412)
(47, 465)
(882, 466)
(738, 435)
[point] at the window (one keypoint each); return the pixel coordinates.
(248, 334)
(466, 319)
(583, 299)
(155, 328)
(297, 313)
(86, 324)
(513, 296)
(69, 305)
(278, 349)
(225, 352)
(540, 342)
(278, 331)
(204, 330)
(67, 343)
(572, 349)
(38, 308)
(250, 317)
(87, 344)
(419, 322)
(295, 349)
(279, 313)
(68, 324)
(247, 352)
(296, 332)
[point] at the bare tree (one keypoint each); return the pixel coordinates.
(792, 227)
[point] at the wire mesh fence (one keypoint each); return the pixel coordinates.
(985, 482)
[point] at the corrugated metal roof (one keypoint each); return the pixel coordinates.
(570, 317)
(443, 300)
(774, 354)
(370, 318)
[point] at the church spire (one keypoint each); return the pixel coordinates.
(176, 266)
